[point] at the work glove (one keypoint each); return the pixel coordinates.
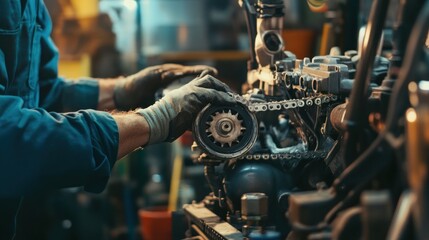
(138, 90)
(171, 116)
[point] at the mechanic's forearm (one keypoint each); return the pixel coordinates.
(133, 132)
(105, 97)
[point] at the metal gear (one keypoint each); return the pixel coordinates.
(225, 131)
(226, 128)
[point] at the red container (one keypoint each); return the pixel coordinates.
(155, 223)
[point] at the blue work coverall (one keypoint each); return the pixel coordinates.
(40, 148)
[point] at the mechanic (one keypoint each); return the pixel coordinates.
(44, 145)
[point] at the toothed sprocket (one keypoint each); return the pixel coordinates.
(225, 131)
(226, 128)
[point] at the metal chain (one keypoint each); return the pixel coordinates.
(285, 104)
(275, 106)
(286, 156)
(288, 160)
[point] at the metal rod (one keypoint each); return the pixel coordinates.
(250, 15)
(357, 109)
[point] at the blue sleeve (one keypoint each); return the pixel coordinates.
(41, 150)
(58, 94)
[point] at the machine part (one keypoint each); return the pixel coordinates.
(348, 225)
(333, 159)
(209, 224)
(293, 86)
(225, 131)
(299, 148)
(401, 226)
(255, 211)
(337, 117)
(211, 177)
(308, 209)
(323, 75)
(216, 127)
(286, 156)
(226, 128)
(269, 25)
(376, 214)
(273, 42)
(254, 207)
(365, 168)
(250, 15)
(243, 177)
(289, 161)
(286, 104)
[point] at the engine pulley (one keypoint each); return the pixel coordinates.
(225, 131)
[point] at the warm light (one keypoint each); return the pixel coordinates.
(411, 115)
(412, 87)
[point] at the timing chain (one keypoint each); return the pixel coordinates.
(285, 104)
(285, 156)
(288, 161)
(279, 105)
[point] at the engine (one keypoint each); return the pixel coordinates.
(316, 148)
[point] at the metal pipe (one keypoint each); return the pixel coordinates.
(250, 15)
(356, 108)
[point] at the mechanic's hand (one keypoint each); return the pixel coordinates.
(138, 90)
(171, 116)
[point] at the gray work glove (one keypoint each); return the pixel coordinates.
(171, 116)
(138, 90)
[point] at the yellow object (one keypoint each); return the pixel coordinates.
(327, 39)
(75, 68)
(176, 176)
(318, 5)
(85, 9)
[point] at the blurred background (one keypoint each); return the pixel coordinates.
(110, 38)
